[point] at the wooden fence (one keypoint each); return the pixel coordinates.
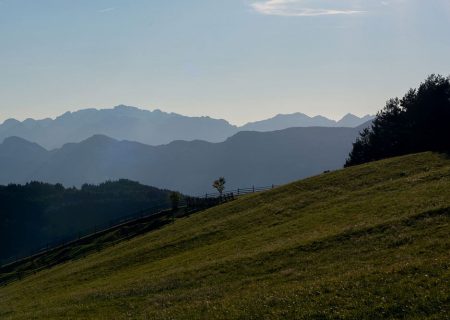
(190, 203)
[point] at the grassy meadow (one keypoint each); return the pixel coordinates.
(367, 242)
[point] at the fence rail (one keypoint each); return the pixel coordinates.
(211, 200)
(238, 192)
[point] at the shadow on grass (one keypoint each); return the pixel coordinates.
(85, 246)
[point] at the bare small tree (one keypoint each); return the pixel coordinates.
(219, 185)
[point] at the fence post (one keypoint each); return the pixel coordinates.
(253, 189)
(238, 191)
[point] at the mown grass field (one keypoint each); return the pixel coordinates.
(368, 242)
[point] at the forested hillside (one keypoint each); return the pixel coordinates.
(35, 214)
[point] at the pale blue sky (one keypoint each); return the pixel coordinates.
(241, 60)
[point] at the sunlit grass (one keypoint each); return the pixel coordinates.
(367, 242)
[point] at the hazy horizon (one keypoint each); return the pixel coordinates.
(240, 60)
(53, 117)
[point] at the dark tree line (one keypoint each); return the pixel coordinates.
(36, 213)
(418, 122)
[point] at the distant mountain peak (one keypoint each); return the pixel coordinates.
(8, 123)
(15, 140)
(351, 120)
(123, 107)
(99, 139)
(289, 115)
(349, 116)
(284, 121)
(16, 143)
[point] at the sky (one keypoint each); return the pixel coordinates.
(240, 60)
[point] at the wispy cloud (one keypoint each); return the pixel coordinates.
(297, 8)
(107, 10)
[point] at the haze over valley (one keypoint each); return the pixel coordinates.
(246, 158)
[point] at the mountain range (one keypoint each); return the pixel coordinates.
(284, 121)
(151, 127)
(246, 158)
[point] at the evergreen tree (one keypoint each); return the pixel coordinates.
(418, 122)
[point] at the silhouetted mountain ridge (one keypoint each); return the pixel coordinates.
(150, 127)
(283, 121)
(247, 158)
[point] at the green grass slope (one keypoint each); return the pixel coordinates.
(368, 242)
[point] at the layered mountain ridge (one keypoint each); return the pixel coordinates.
(151, 127)
(246, 158)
